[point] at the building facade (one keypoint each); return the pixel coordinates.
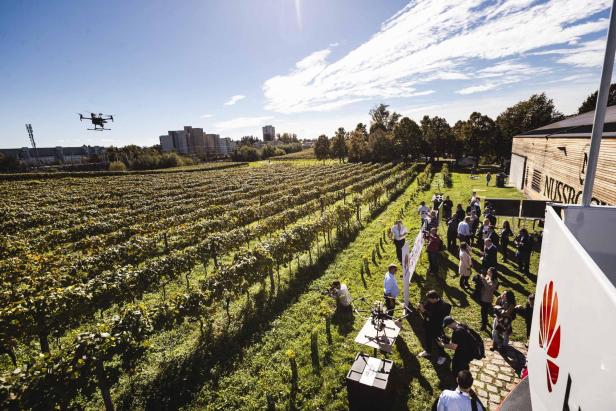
(269, 133)
(53, 155)
(194, 141)
(549, 163)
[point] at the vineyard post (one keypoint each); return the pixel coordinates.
(103, 385)
(166, 242)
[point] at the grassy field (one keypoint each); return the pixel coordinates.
(322, 345)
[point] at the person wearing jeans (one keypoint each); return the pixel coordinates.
(434, 250)
(398, 235)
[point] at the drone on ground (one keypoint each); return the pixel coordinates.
(97, 120)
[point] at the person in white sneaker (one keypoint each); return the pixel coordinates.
(434, 310)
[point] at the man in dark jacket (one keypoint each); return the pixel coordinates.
(434, 310)
(447, 208)
(489, 255)
(452, 233)
(524, 243)
(462, 343)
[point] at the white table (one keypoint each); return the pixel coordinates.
(383, 340)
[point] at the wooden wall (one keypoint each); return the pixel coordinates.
(556, 168)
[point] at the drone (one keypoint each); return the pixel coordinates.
(97, 120)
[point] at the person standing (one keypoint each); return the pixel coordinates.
(504, 314)
(524, 243)
(460, 214)
(505, 234)
(473, 198)
(423, 211)
(491, 234)
(488, 178)
(398, 235)
(489, 285)
(447, 208)
(481, 233)
(452, 233)
(437, 199)
(463, 398)
(489, 255)
(464, 230)
(465, 266)
(433, 247)
(434, 310)
(474, 224)
(390, 288)
(462, 343)
(527, 313)
(432, 220)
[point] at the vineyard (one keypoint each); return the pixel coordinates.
(107, 277)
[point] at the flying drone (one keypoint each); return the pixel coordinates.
(97, 120)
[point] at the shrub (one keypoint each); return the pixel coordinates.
(117, 166)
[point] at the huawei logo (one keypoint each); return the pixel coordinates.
(549, 333)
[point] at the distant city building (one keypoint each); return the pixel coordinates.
(53, 155)
(226, 146)
(269, 133)
(193, 141)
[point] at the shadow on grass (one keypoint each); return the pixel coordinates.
(403, 376)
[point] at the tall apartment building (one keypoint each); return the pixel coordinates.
(269, 133)
(194, 141)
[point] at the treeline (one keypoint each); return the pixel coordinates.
(248, 152)
(392, 137)
(133, 157)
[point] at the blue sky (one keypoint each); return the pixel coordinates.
(305, 66)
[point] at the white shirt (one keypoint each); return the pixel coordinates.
(455, 401)
(390, 285)
(343, 295)
(423, 211)
(464, 229)
(397, 231)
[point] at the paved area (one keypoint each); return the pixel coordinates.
(497, 374)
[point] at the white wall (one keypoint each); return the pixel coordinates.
(516, 170)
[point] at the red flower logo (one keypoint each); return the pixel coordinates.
(549, 333)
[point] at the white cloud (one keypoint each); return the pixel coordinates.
(335, 44)
(430, 40)
(589, 54)
(206, 116)
(478, 89)
(234, 99)
(243, 122)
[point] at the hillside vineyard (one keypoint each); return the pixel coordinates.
(82, 258)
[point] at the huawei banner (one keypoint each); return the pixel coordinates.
(571, 359)
(409, 262)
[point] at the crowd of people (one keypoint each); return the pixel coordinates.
(467, 228)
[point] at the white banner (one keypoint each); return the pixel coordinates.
(409, 262)
(571, 356)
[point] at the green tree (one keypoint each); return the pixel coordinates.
(357, 147)
(381, 145)
(535, 112)
(361, 128)
(321, 147)
(383, 119)
(457, 149)
(408, 139)
(591, 101)
(338, 147)
(437, 134)
(480, 135)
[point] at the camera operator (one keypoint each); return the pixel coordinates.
(390, 289)
(462, 343)
(341, 293)
(434, 310)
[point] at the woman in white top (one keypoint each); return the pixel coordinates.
(466, 264)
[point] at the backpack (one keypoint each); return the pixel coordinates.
(479, 350)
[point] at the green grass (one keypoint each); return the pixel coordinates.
(262, 368)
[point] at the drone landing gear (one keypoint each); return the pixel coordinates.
(98, 129)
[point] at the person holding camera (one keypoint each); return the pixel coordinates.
(504, 314)
(462, 343)
(487, 285)
(390, 288)
(398, 234)
(463, 398)
(526, 312)
(434, 310)
(340, 292)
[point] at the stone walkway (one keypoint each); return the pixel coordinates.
(497, 374)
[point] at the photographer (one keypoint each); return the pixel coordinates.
(390, 289)
(340, 292)
(462, 343)
(434, 310)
